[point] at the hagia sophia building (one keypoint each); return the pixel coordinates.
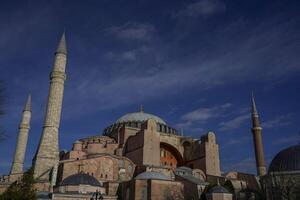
(140, 157)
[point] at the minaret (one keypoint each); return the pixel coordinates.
(47, 155)
(17, 165)
(257, 139)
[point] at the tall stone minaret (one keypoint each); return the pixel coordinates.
(17, 165)
(47, 155)
(257, 139)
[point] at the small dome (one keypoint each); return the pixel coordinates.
(217, 189)
(140, 116)
(183, 170)
(286, 160)
(152, 175)
(80, 179)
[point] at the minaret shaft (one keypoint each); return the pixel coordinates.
(47, 155)
(257, 139)
(19, 157)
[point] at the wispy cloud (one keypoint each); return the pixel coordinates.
(245, 165)
(287, 140)
(237, 141)
(278, 121)
(202, 8)
(202, 115)
(132, 31)
(234, 123)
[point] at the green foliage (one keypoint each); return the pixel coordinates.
(21, 190)
(228, 185)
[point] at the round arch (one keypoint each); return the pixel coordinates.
(170, 156)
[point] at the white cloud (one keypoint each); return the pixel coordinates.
(234, 123)
(237, 141)
(202, 8)
(129, 55)
(286, 140)
(203, 114)
(132, 31)
(245, 165)
(155, 74)
(278, 121)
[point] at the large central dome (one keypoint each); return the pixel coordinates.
(135, 120)
(140, 116)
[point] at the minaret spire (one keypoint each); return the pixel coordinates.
(27, 106)
(254, 110)
(47, 155)
(62, 46)
(257, 139)
(18, 162)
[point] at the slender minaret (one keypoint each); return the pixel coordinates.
(47, 155)
(17, 165)
(257, 139)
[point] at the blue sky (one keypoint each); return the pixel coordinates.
(193, 63)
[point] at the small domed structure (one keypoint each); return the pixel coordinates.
(218, 193)
(152, 175)
(183, 170)
(218, 189)
(80, 179)
(287, 160)
(80, 183)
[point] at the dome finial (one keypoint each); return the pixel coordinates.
(141, 108)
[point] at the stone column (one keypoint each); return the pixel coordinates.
(18, 162)
(47, 155)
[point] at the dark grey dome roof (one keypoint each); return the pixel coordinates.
(217, 189)
(140, 116)
(152, 175)
(286, 160)
(184, 169)
(80, 179)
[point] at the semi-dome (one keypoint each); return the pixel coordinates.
(152, 175)
(286, 160)
(140, 116)
(80, 179)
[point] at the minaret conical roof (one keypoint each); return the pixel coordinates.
(62, 46)
(254, 110)
(27, 106)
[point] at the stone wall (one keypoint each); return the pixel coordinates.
(102, 167)
(152, 189)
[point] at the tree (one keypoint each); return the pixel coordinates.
(228, 185)
(21, 190)
(283, 186)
